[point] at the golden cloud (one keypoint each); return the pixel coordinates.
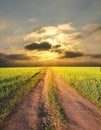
(52, 34)
(67, 26)
(91, 27)
(65, 36)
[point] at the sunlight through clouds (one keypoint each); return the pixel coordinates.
(53, 34)
(62, 30)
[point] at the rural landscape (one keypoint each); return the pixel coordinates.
(52, 98)
(50, 64)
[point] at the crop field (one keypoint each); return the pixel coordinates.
(50, 98)
(86, 80)
(13, 85)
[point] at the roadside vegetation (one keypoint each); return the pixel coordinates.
(14, 83)
(56, 116)
(86, 80)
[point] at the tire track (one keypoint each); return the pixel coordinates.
(26, 115)
(36, 109)
(54, 118)
(81, 114)
(34, 112)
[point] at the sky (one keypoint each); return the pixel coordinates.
(50, 32)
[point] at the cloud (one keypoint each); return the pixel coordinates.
(72, 54)
(41, 33)
(36, 46)
(56, 46)
(47, 33)
(49, 30)
(13, 40)
(79, 36)
(75, 54)
(25, 60)
(67, 26)
(9, 39)
(2, 26)
(2, 57)
(6, 57)
(91, 30)
(14, 59)
(57, 39)
(58, 50)
(92, 27)
(98, 29)
(32, 20)
(18, 57)
(95, 55)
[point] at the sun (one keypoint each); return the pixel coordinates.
(49, 56)
(43, 55)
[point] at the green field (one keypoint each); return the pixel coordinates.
(86, 80)
(14, 83)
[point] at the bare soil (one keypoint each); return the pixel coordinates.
(81, 114)
(51, 120)
(33, 112)
(27, 115)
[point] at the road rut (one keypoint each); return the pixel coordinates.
(32, 113)
(26, 115)
(81, 114)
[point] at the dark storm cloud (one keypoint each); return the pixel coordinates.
(72, 54)
(75, 54)
(18, 57)
(10, 57)
(56, 46)
(57, 49)
(36, 46)
(84, 64)
(79, 64)
(9, 61)
(2, 57)
(95, 55)
(3, 61)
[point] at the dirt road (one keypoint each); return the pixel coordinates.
(81, 114)
(27, 115)
(33, 112)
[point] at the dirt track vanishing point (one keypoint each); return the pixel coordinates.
(33, 112)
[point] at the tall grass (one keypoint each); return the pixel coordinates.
(86, 80)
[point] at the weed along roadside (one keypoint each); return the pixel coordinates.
(86, 80)
(55, 118)
(15, 83)
(41, 99)
(81, 113)
(39, 110)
